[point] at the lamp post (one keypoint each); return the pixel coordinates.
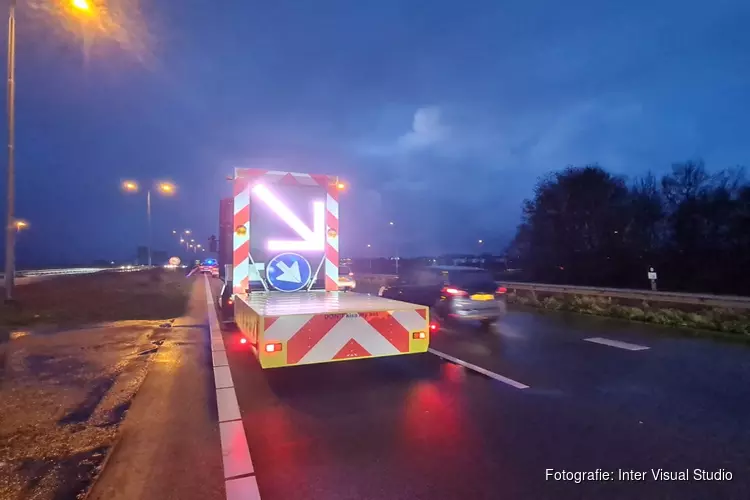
(165, 188)
(398, 258)
(10, 221)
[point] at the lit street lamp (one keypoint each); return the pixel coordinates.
(392, 224)
(11, 228)
(164, 188)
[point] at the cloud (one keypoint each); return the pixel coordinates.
(427, 130)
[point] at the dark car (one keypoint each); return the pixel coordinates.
(454, 293)
(226, 302)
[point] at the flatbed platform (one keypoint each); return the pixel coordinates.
(318, 327)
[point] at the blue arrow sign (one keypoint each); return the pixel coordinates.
(288, 272)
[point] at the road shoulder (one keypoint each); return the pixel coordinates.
(168, 442)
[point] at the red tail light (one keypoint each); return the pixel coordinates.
(454, 291)
(419, 335)
(434, 327)
(230, 301)
(273, 347)
(243, 340)
(501, 290)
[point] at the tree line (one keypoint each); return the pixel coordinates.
(585, 226)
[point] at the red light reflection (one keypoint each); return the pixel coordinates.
(432, 416)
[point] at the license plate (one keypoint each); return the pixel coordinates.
(482, 296)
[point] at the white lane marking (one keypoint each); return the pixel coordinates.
(479, 369)
(220, 358)
(243, 488)
(234, 450)
(223, 377)
(617, 343)
(226, 400)
(237, 459)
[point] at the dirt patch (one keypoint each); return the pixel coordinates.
(63, 398)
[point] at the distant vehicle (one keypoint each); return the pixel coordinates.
(209, 266)
(346, 279)
(454, 293)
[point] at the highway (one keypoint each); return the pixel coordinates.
(546, 393)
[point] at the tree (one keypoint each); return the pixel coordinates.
(585, 226)
(573, 224)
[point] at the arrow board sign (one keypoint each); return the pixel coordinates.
(288, 272)
(312, 239)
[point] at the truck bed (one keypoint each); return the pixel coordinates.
(319, 327)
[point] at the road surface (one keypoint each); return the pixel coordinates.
(556, 393)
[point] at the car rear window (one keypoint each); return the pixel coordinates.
(471, 278)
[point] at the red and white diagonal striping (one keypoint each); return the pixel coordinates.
(278, 177)
(317, 338)
(332, 237)
(241, 242)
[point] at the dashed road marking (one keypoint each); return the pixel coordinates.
(219, 358)
(239, 479)
(479, 369)
(223, 377)
(237, 459)
(617, 343)
(243, 488)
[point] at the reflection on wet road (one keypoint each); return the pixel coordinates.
(435, 427)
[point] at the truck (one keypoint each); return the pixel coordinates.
(285, 278)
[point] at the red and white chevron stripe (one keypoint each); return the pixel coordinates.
(332, 236)
(318, 338)
(241, 253)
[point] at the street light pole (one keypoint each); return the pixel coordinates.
(10, 226)
(148, 214)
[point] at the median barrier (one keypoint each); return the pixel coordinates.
(710, 300)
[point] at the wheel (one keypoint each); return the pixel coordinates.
(491, 325)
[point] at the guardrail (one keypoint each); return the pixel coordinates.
(54, 272)
(727, 301)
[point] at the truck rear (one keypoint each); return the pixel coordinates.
(285, 275)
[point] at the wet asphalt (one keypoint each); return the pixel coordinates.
(419, 427)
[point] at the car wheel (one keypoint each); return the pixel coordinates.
(487, 323)
(490, 325)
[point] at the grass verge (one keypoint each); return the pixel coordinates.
(70, 301)
(712, 321)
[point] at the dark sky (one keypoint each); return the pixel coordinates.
(440, 114)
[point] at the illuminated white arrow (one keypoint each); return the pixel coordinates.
(312, 240)
(290, 274)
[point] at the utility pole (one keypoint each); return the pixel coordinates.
(10, 223)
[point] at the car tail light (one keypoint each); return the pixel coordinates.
(243, 340)
(434, 327)
(454, 291)
(419, 335)
(501, 290)
(273, 347)
(230, 301)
